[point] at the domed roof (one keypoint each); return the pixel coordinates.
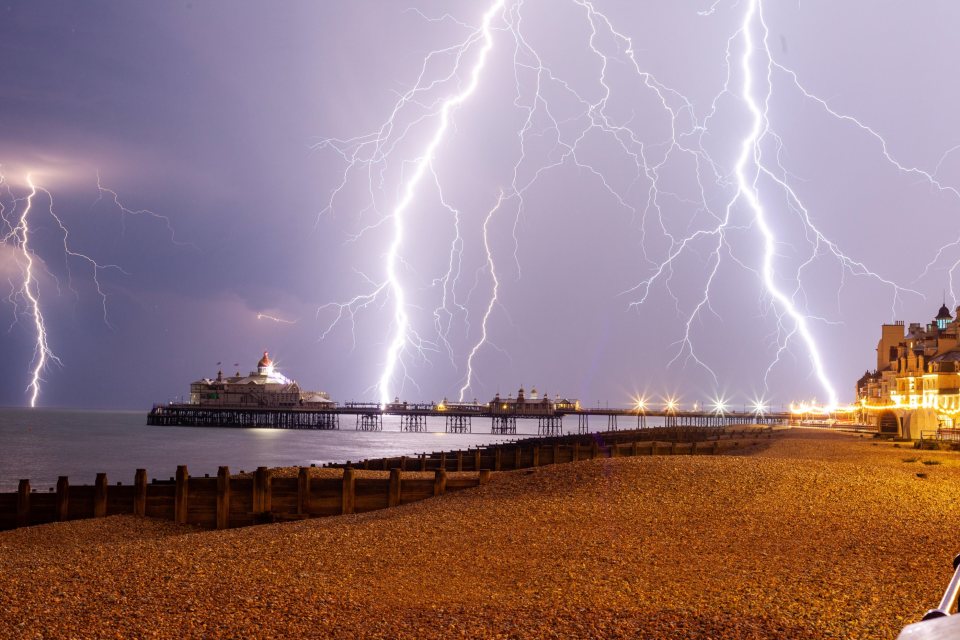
(265, 360)
(944, 313)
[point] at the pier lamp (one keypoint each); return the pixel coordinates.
(672, 404)
(719, 405)
(641, 407)
(759, 407)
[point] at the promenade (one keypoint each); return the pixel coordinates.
(814, 535)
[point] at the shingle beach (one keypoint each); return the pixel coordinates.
(815, 535)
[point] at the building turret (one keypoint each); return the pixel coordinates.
(943, 317)
(265, 366)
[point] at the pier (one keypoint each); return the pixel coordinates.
(461, 419)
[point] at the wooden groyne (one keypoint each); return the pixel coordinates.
(534, 452)
(227, 501)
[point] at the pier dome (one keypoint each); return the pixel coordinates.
(265, 366)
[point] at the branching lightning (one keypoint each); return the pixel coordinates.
(26, 293)
(748, 196)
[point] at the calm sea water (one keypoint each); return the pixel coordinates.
(41, 444)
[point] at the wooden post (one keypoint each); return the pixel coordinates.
(716, 447)
(673, 448)
(484, 476)
(262, 486)
(423, 462)
(517, 457)
(403, 463)
(100, 496)
(459, 460)
(223, 498)
(140, 493)
(180, 496)
(386, 464)
(443, 460)
(634, 448)
(556, 453)
(576, 451)
(536, 455)
(393, 497)
(440, 482)
(693, 447)
(366, 464)
(476, 460)
(23, 503)
(63, 492)
(349, 491)
(497, 453)
(303, 491)
(594, 450)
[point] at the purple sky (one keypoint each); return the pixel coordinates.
(210, 114)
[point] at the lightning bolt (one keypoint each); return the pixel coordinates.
(492, 300)
(30, 290)
(267, 316)
(747, 196)
(25, 295)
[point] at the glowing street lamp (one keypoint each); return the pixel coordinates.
(671, 405)
(719, 405)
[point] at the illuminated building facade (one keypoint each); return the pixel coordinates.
(917, 378)
(266, 387)
(532, 404)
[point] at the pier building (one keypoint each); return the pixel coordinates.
(916, 384)
(265, 387)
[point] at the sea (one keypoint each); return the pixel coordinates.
(42, 444)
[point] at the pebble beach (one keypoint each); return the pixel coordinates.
(814, 534)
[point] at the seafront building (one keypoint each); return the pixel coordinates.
(264, 388)
(916, 385)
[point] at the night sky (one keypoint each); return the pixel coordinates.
(218, 117)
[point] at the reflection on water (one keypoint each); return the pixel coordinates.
(41, 444)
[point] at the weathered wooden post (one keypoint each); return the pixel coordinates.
(459, 460)
(536, 455)
(634, 448)
(497, 454)
(223, 497)
(366, 464)
(262, 486)
(423, 462)
(100, 496)
(440, 482)
(673, 448)
(63, 496)
(403, 463)
(517, 457)
(303, 491)
(484, 476)
(140, 493)
(594, 450)
(693, 447)
(476, 460)
(556, 453)
(716, 447)
(349, 491)
(386, 464)
(393, 497)
(23, 503)
(576, 451)
(180, 496)
(443, 460)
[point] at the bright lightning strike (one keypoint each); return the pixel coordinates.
(492, 301)
(728, 199)
(30, 290)
(19, 216)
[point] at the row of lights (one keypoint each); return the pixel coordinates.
(716, 405)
